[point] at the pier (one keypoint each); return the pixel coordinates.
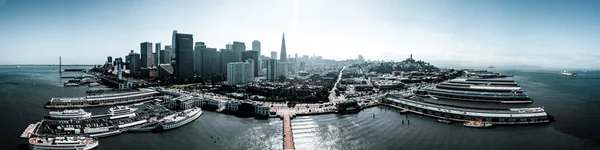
(288, 139)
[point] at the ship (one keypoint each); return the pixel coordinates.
(70, 114)
(566, 73)
(80, 143)
(477, 124)
(119, 112)
(180, 119)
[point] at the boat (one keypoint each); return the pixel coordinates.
(70, 114)
(566, 73)
(17, 67)
(80, 143)
(180, 119)
(121, 110)
(477, 124)
(70, 84)
(444, 121)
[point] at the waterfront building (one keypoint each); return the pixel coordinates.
(146, 57)
(184, 59)
(262, 110)
(274, 55)
(211, 62)
(135, 64)
(252, 55)
(228, 56)
(232, 105)
(165, 57)
(283, 57)
(239, 73)
(182, 103)
(103, 100)
(272, 65)
(480, 90)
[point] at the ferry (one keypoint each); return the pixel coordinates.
(566, 73)
(121, 110)
(182, 118)
(70, 114)
(477, 124)
(80, 143)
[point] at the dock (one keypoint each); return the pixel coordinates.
(288, 139)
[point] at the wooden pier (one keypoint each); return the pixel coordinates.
(288, 139)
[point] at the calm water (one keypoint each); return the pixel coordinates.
(573, 101)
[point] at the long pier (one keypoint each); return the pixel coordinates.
(288, 139)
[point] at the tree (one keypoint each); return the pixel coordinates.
(281, 78)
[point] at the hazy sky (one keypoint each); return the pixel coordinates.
(546, 33)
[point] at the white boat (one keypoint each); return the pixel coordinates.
(79, 143)
(477, 124)
(70, 114)
(566, 73)
(182, 118)
(121, 110)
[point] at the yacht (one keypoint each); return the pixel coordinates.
(180, 119)
(477, 124)
(70, 114)
(121, 110)
(80, 143)
(566, 73)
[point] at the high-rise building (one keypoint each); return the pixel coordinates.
(274, 55)
(229, 46)
(283, 57)
(173, 48)
(272, 65)
(239, 73)
(146, 50)
(109, 60)
(135, 64)
(154, 59)
(256, 46)
(183, 45)
(157, 47)
(282, 69)
(171, 52)
(211, 62)
(251, 55)
(165, 57)
(198, 58)
(228, 56)
(238, 46)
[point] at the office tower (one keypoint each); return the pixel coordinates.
(238, 46)
(157, 49)
(165, 57)
(173, 48)
(282, 69)
(155, 59)
(146, 51)
(239, 73)
(252, 55)
(211, 62)
(274, 55)
(229, 46)
(109, 60)
(183, 45)
(228, 56)
(198, 57)
(256, 47)
(272, 65)
(135, 64)
(171, 52)
(283, 57)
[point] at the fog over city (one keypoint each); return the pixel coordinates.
(510, 34)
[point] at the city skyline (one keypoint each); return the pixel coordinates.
(548, 34)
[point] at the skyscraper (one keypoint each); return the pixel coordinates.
(283, 57)
(173, 48)
(157, 47)
(146, 50)
(211, 62)
(169, 48)
(183, 45)
(239, 73)
(135, 64)
(109, 60)
(252, 55)
(154, 59)
(272, 65)
(165, 57)
(198, 58)
(238, 46)
(227, 56)
(274, 55)
(256, 46)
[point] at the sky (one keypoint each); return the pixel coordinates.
(514, 33)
